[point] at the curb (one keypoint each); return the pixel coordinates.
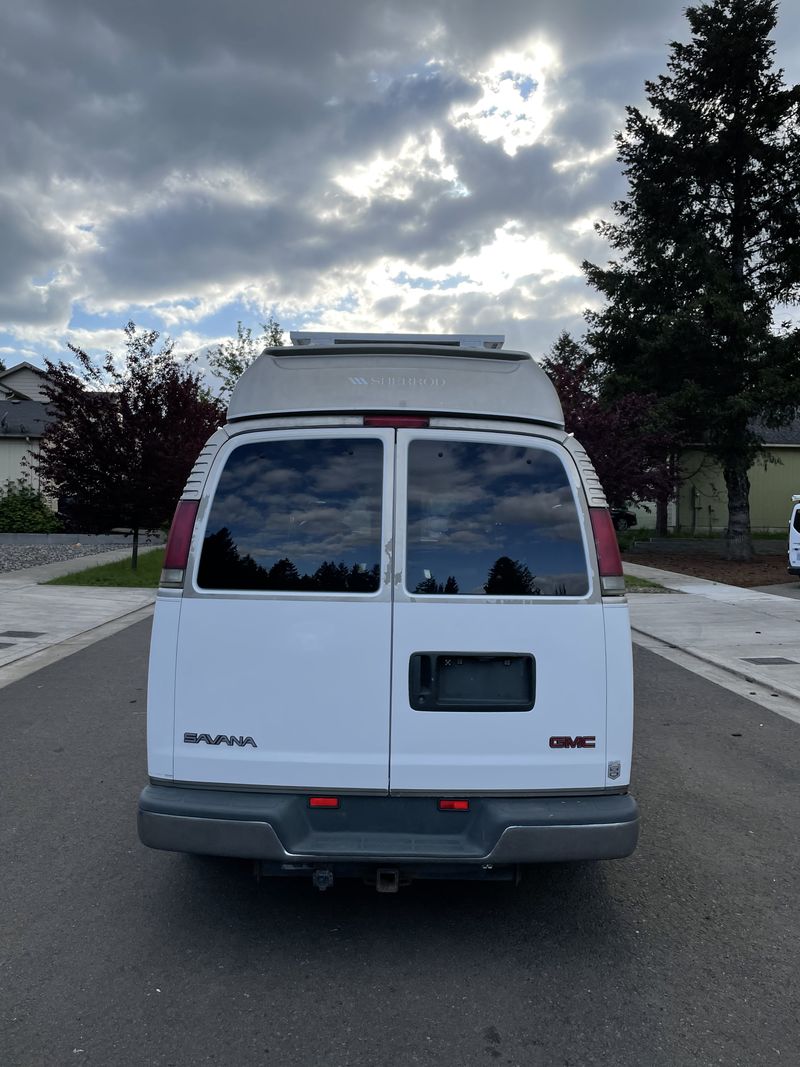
(779, 690)
(34, 661)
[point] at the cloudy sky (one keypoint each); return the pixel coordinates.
(435, 165)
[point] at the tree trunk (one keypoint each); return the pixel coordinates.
(135, 549)
(739, 542)
(661, 518)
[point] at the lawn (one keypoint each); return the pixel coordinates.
(120, 573)
(642, 585)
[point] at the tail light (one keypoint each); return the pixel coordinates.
(323, 802)
(178, 542)
(453, 805)
(612, 580)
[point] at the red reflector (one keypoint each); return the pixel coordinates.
(323, 802)
(180, 535)
(453, 805)
(605, 539)
(403, 422)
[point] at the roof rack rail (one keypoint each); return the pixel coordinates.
(448, 340)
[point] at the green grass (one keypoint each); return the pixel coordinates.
(642, 585)
(120, 573)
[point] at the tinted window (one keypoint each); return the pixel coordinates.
(297, 515)
(491, 519)
(797, 520)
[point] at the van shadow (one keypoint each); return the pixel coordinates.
(558, 909)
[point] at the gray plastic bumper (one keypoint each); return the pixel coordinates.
(282, 828)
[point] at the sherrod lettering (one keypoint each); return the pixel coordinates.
(413, 597)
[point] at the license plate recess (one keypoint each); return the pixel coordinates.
(470, 681)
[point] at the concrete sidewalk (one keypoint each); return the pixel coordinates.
(750, 636)
(40, 624)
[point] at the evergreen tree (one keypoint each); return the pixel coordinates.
(284, 575)
(332, 577)
(223, 567)
(429, 586)
(509, 577)
(708, 241)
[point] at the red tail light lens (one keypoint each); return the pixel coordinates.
(323, 802)
(401, 422)
(453, 805)
(178, 542)
(612, 582)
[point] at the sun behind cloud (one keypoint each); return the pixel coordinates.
(513, 106)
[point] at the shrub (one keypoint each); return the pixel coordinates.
(24, 510)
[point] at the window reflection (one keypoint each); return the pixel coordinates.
(297, 516)
(491, 519)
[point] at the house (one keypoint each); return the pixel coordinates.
(23, 417)
(24, 381)
(702, 507)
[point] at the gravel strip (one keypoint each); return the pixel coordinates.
(18, 557)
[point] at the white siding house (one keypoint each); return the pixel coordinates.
(24, 380)
(23, 417)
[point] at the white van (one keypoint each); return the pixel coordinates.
(794, 537)
(391, 638)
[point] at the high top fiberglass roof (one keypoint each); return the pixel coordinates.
(356, 374)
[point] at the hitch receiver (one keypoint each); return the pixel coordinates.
(322, 879)
(387, 879)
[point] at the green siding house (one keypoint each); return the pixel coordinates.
(702, 506)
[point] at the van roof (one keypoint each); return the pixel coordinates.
(379, 375)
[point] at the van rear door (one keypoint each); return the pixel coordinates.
(499, 672)
(284, 642)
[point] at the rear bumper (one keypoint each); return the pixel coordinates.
(281, 828)
(793, 570)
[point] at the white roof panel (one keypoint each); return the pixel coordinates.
(383, 376)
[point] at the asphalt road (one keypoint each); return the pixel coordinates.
(110, 954)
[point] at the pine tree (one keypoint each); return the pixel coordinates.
(708, 244)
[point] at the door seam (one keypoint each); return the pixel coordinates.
(393, 573)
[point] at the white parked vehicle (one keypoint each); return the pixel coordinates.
(391, 638)
(794, 537)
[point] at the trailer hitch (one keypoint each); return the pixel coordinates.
(387, 879)
(322, 878)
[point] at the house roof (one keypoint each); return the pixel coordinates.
(23, 418)
(782, 435)
(7, 390)
(25, 365)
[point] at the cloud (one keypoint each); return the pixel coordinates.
(435, 167)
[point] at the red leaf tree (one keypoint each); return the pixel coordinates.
(126, 431)
(629, 447)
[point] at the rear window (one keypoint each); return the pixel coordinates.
(796, 519)
(299, 516)
(491, 519)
